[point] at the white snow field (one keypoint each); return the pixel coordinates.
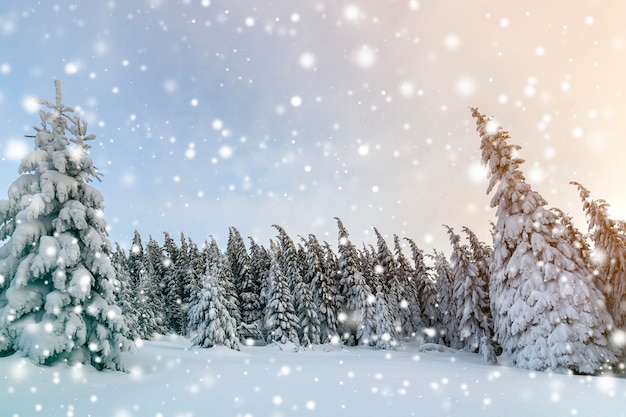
(167, 378)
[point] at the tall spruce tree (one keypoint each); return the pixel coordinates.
(171, 288)
(303, 300)
(358, 304)
(609, 239)
(390, 284)
(247, 285)
(210, 321)
(324, 290)
(548, 312)
(155, 258)
(57, 283)
(125, 294)
(385, 330)
(410, 308)
(219, 264)
(426, 292)
(469, 296)
(183, 273)
(448, 325)
(193, 285)
(482, 256)
(260, 263)
(150, 308)
(281, 322)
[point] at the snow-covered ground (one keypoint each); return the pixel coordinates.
(167, 378)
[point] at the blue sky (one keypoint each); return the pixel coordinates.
(211, 114)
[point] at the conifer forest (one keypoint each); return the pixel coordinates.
(543, 293)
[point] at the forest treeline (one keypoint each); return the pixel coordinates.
(305, 291)
(542, 293)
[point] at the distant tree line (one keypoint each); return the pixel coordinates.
(306, 292)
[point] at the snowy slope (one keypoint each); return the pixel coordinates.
(168, 379)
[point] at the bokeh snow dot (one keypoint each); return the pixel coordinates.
(217, 124)
(465, 86)
(72, 68)
(477, 172)
(30, 104)
(226, 152)
(619, 338)
(577, 132)
(296, 101)
(451, 41)
(351, 13)
(307, 60)
(170, 86)
(15, 150)
(407, 89)
(365, 57)
(364, 150)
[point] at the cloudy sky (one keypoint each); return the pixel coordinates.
(214, 113)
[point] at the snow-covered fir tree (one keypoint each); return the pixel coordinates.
(126, 293)
(219, 264)
(154, 256)
(548, 312)
(172, 288)
(260, 264)
(150, 307)
(469, 296)
(247, 285)
(410, 309)
(426, 289)
(210, 321)
(390, 284)
(194, 283)
(281, 322)
(482, 257)
(184, 270)
(609, 240)
(385, 331)
(448, 325)
(331, 270)
(357, 303)
(302, 299)
(323, 288)
(57, 283)
(365, 311)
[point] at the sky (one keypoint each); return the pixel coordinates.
(213, 113)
